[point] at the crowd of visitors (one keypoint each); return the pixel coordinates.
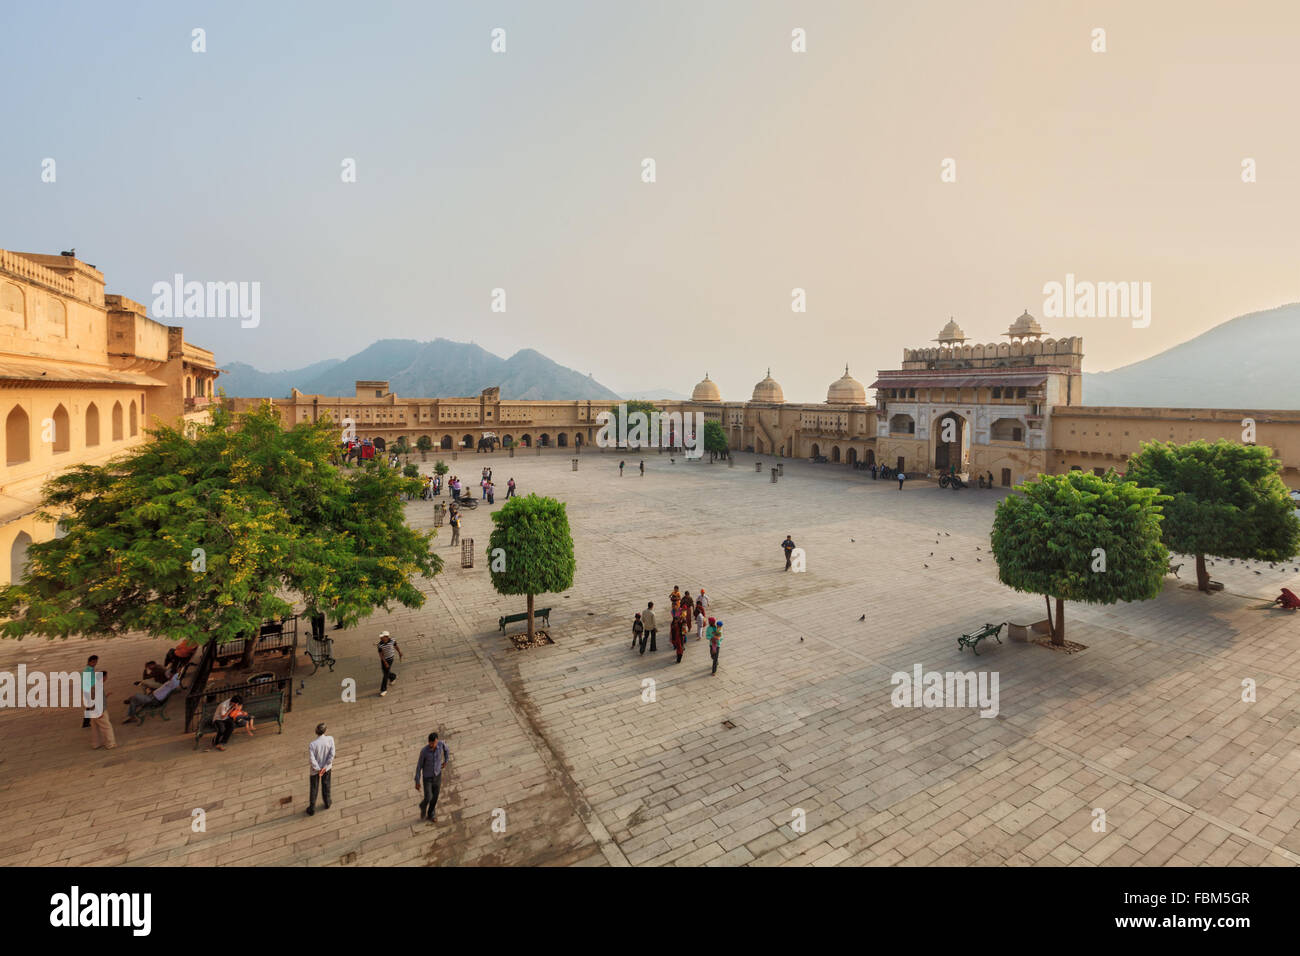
(685, 614)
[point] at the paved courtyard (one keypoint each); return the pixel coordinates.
(1147, 724)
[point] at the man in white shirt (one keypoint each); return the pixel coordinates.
(160, 694)
(321, 752)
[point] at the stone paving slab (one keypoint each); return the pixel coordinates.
(818, 768)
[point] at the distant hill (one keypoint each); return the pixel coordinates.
(1247, 362)
(423, 370)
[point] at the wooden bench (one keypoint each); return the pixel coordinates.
(261, 707)
(321, 653)
(544, 614)
(972, 640)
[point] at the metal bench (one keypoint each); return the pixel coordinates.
(544, 614)
(972, 640)
(321, 652)
(156, 706)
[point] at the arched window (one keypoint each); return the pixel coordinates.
(62, 430)
(997, 391)
(18, 447)
(18, 557)
(189, 387)
(117, 421)
(133, 419)
(902, 425)
(1007, 429)
(92, 425)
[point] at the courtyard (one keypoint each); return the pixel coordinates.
(792, 754)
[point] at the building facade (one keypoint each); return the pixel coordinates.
(375, 412)
(82, 375)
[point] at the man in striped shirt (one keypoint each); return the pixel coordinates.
(388, 650)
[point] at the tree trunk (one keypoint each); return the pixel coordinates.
(1202, 575)
(1048, 601)
(1058, 632)
(250, 647)
(530, 619)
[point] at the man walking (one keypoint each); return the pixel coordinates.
(428, 770)
(88, 685)
(642, 467)
(648, 627)
(788, 547)
(388, 650)
(620, 468)
(455, 527)
(715, 643)
(901, 477)
(510, 488)
(321, 753)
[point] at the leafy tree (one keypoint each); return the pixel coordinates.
(441, 467)
(1229, 500)
(401, 447)
(207, 537)
(411, 471)
(425, 444)
(616, 425)
(1080, 537)
(536, 549)
(715, 438)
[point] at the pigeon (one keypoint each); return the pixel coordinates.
(863, 618)
(801, 640)
(947, 535)
(1257, 572)
(951, 558)
(977, 547)
(852, 540)
(979, 559)
(925, 565)
(932, 554)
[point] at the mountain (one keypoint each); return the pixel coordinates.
(240, 379)
(440, 368)
(1247, 362)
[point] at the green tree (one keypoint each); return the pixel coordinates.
(1080, 537)
(441, 467)
(425, 444)
(411, 471)
(530, 550)
(1229, 500)
(616, 425)
(715, 438)
(401, 447)
(207, 537)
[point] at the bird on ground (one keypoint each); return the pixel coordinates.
(977, 547)
(800, 640)
(925, 565)
(951, 558)
(947, 535)
(979, 559)
(863, 618)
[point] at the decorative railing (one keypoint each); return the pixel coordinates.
(34, 271)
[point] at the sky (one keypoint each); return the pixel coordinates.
(775, 170)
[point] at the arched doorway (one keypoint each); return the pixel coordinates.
(852, 456)
(92, 425)
(18, 557)
(18, 448)
(545, 440)
(816, 450)
(62, 429)
(577, 439)
(835, 454)
(870, 459)
(562, 440)
(526, 441)
(117, 421)
(445, 443)
(950, 442)
(467, 441)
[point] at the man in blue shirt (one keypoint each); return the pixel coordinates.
(428, 770)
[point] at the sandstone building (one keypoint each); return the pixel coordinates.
(82, 374)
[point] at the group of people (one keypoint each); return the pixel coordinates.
(433, 485)
(622, 463)
(685, 614)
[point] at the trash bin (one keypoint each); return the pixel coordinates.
(575, 463)
(773, 476)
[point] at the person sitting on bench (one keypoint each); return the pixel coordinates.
(180, 655)
(158, 695)
(227, 712)
(152, 678)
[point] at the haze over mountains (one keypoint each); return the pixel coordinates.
(1250, 362)
(423, 370)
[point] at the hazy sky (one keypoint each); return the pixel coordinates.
(775, 170)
